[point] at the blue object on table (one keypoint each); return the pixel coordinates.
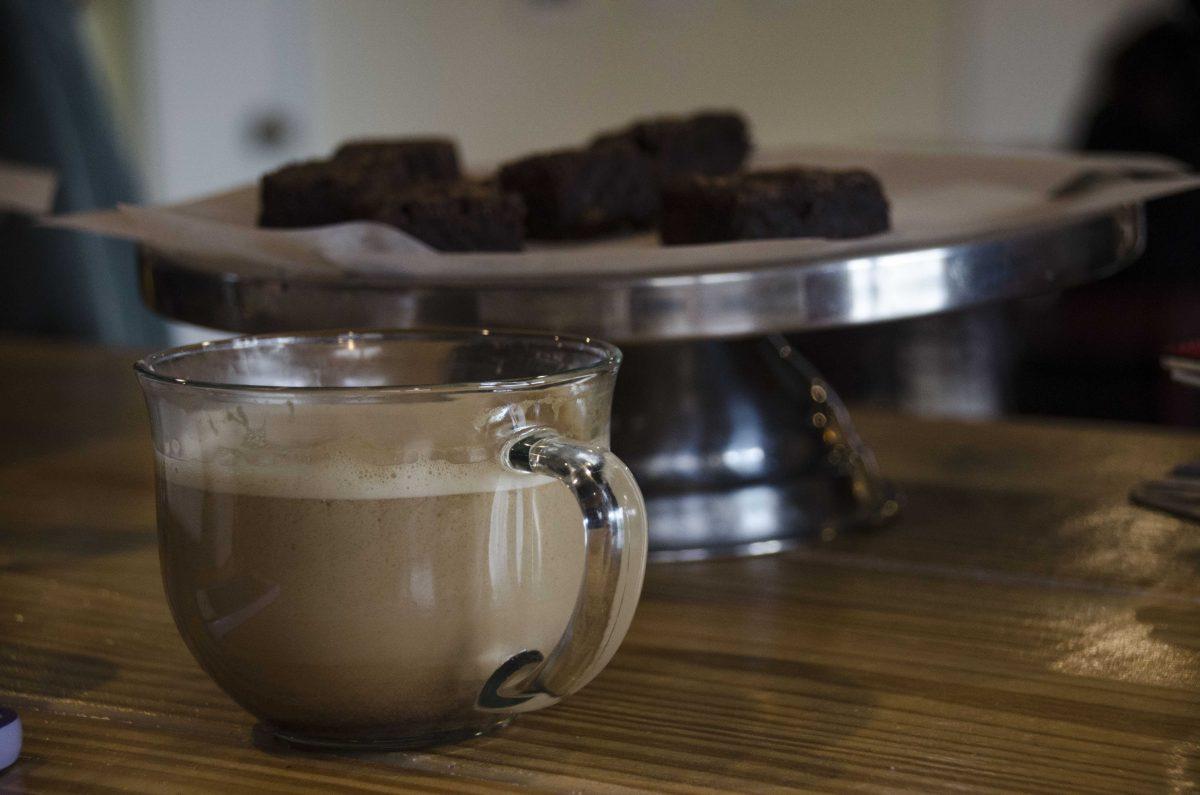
(10, 737)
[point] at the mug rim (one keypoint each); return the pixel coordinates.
(608, 359)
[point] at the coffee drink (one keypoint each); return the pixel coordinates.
(378, 540)
(364, 599)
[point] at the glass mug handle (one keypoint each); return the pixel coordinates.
(614, 535)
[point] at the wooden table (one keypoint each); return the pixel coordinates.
(1021, 628)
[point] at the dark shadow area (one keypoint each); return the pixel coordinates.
(264, 738)
(12, 779)
(1176, 624)
(54, 674)
(1011, 527)
(953, 363)
(33, 550)
(1192, 560)
(1094, 350)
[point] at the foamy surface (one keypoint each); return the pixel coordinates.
(343, 479)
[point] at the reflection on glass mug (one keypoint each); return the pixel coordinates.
(392, 539)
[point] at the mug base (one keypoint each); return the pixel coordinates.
(311, 742)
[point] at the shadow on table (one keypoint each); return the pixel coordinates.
(12, 780)
(53, 674)
(1176, 624)
(34, 549)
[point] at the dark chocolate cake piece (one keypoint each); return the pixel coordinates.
(453, 216)
(404, 159)
(710, 142)
(319, 192)
(582, 193)
(793, 202)
(312, 193)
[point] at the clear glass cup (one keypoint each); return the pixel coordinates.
(391, 539)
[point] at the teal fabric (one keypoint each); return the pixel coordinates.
(52, 114)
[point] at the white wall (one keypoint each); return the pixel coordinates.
(510, 75)
(1020, 71)
(206, 71)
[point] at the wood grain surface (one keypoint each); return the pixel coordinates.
(1021, 628)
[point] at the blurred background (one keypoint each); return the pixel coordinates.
(161, 100)
(210, 93)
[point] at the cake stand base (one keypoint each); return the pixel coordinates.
(740, 447)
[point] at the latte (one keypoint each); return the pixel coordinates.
(365, 599)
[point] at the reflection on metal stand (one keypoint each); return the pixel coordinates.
(847, 458)
(741, 448)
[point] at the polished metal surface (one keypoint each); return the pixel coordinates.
(738, 445)
(740, 448)
(769, 297)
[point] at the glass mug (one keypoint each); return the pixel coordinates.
(390, 539)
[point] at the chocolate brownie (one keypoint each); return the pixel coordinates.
(453, 216)
(319, 192)
(582, 193)
(710, 142)
(794, 202)
(312, 193)
(404, 159)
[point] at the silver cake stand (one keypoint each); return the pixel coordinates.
(740, 447)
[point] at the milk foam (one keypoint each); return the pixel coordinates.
(339, 478)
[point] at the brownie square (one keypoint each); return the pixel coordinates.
(404, 159)
(710, 142)
(796, 202)
(456, 216)
(312, 193)
(319, 192)
(583, 193)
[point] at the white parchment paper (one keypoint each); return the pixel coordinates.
(936, 197)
